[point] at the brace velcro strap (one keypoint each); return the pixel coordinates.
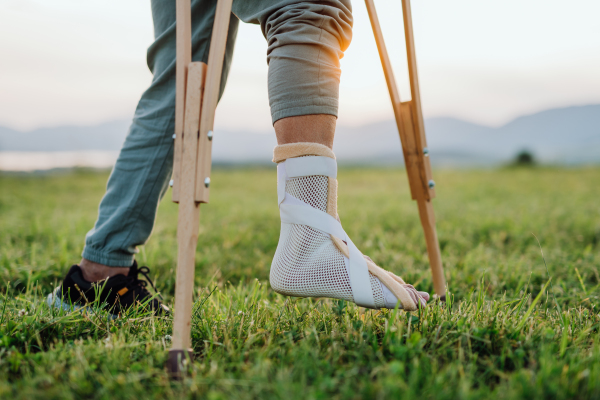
(286, 151)
(307, 166)
(358, 270)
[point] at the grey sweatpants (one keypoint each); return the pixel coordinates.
(306, 40)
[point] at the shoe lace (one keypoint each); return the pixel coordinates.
(135, 281)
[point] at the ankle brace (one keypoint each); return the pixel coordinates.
(315, 257)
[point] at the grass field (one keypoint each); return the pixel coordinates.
(504, 333)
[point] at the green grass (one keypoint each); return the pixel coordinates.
(492, 339)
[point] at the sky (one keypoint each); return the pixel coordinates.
(84, 62)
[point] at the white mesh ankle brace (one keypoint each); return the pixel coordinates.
(307, 262)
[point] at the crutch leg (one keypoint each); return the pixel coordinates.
(192, 161)
(184, 58)
(187, 223)
(211, 97)
(433, 247)
(426, 182)
(409, 120)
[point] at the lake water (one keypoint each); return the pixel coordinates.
(32, 161)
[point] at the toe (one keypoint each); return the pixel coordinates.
(413, 294)
(420, 298)
(422, 302)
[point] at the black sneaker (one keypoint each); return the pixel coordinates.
(115, 294)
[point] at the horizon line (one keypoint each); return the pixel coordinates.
(109, 121)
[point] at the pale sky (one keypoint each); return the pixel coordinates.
(84, 61)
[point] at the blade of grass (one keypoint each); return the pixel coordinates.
(532, 306)
(581, 281)
(547, 272)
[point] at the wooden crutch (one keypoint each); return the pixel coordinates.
(409, 119)
(198, 86)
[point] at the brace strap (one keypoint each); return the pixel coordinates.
(389, 279)
(360, 282)
(306, 166)
(303, 166)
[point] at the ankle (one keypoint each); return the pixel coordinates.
(314, 128)
(94, 272)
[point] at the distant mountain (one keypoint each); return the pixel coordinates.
(107, 136)
(568, 135)
(564, 136)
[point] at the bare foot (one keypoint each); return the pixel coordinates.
(94, 272)
(420, 298)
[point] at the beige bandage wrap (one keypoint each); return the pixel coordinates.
(293, 150)
(310, 263)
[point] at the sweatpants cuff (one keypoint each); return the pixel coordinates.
(110, 261)
(314, 105)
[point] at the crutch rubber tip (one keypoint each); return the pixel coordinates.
(176, 362)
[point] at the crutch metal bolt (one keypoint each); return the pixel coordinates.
(197, 92)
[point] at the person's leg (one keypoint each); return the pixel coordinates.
(140, 177)
(314, 258)
(306, 41)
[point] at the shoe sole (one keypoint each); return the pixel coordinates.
(54, 300)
